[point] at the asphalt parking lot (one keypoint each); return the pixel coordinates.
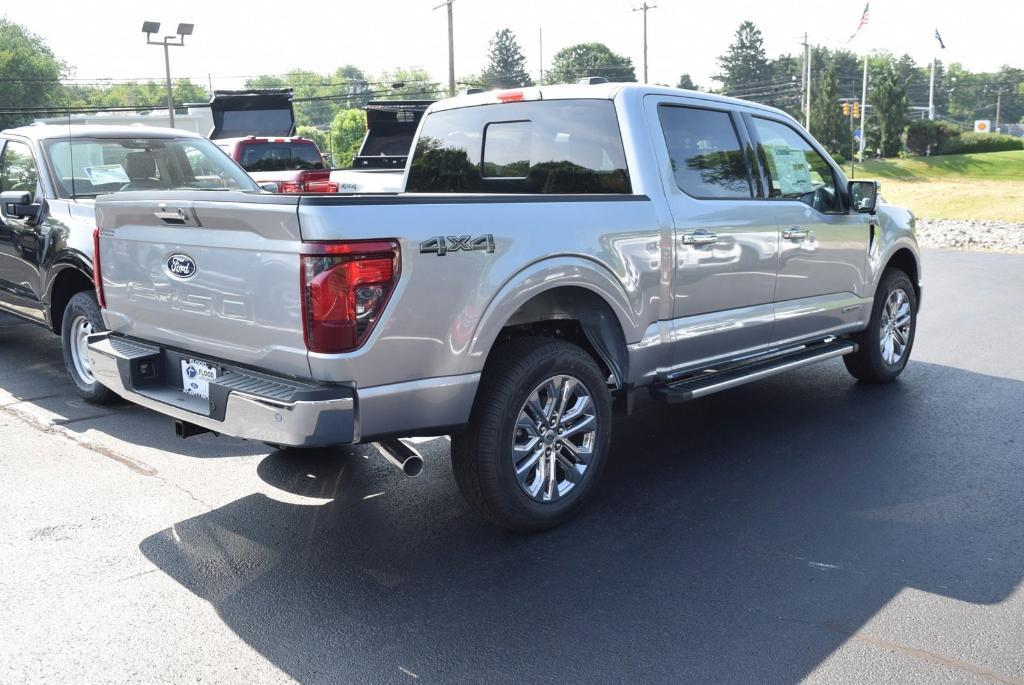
(804, 527)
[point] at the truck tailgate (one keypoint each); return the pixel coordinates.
(215, 276)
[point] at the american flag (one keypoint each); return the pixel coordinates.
(863, 22)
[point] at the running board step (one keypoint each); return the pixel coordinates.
(710, 382)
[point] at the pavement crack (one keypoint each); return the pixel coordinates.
(925, 655)
(53, 429)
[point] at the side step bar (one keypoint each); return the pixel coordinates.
(710, 382)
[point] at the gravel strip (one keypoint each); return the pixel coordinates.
(971, 235)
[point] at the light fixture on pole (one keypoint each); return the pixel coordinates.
(177, 40)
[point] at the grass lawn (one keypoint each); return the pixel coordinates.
(985, 186)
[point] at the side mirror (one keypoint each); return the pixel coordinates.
(864, 195)
(269, 186)
(17, 204)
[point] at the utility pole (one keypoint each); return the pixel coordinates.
(645, 8)
(864, 109)
(807, 83)
(999, 104)
(451, 47)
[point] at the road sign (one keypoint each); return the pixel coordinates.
(856, 134)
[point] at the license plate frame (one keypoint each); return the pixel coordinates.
(196, 376)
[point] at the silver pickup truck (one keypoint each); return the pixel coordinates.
(555, 251)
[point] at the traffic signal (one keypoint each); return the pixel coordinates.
(846, 109)
(856, 110)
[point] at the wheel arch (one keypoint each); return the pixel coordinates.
(67, 280)
(573, 299)
(904, 259)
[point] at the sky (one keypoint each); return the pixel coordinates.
(237, 39)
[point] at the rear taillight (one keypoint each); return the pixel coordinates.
(345, 287)
(97, 277)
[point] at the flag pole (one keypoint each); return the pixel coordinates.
(864, 109)
(931, 93)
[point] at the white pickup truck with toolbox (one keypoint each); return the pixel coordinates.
(555, 250)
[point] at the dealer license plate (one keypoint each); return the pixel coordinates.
(196, 377)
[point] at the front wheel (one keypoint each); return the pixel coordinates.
(538, 436)
(885, 345)
(81, 319)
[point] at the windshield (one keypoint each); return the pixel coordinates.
(260, 156)
(87, 167)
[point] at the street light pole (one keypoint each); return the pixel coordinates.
(177, 40)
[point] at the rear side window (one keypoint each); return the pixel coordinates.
(280, 157)
(705, 151)
(558, 146)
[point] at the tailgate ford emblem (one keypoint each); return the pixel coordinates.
(181, 266)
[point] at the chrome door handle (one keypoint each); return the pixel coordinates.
(699, 238)
(794, 233)
(174, 216)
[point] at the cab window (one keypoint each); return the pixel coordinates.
(795, 169)
(705, 151)
(568, 146)
(17, 169)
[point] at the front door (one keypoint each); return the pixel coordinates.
(726, 238)
(823, 243)
(20, 238)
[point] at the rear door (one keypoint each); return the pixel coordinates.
(725, 236)
(823, 243)
(21, 239)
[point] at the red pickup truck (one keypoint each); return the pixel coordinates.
(294, 164)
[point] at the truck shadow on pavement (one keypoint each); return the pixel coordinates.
(744, 537)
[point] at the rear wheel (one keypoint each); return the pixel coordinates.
(884, 347)
(81, 319)
(538, 435)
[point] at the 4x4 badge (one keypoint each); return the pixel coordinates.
(442, 245)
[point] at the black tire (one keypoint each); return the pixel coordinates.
(83, 307)
(482, 457)
(868, 364)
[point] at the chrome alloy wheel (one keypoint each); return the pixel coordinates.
(81, 329)
(554, 438)
(894, 333)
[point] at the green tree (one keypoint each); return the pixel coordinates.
(589, 59)
(744, 65)
(686, 83)
(506, 65)
(347, 132)
(29, 74)
(318, 136)
(319, 97)
(411, 83)
(888, 98)
(828, 124)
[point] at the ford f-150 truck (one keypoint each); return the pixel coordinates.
(555, 251)
(49, 179)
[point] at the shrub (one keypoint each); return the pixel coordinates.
(925, 136)
(980, 142)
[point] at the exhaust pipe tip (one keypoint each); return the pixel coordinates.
(401, 456)
(413, 466)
